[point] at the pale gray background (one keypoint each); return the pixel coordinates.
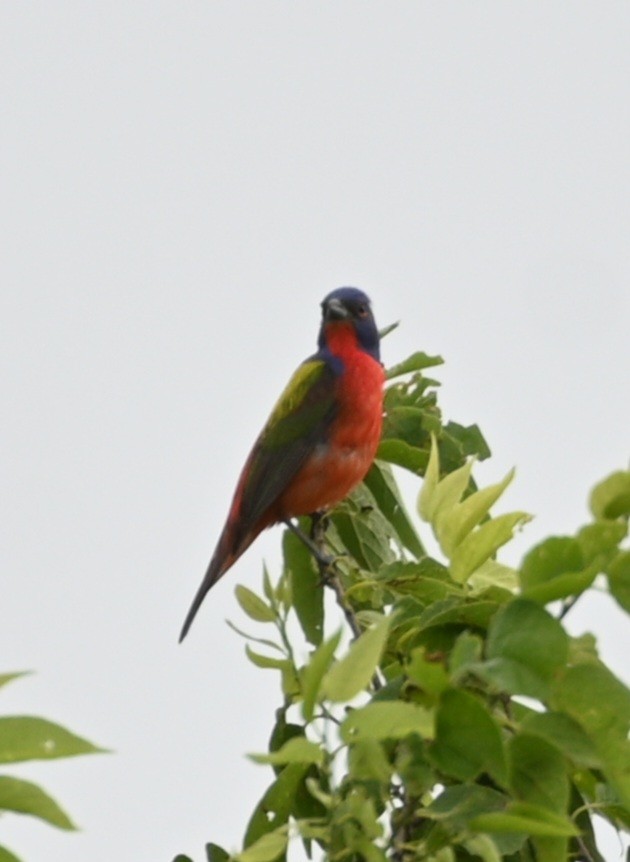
(181, 184)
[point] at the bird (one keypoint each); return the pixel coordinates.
(320, 439)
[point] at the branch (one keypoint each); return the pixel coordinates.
(329, 573)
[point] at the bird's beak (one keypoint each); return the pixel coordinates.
(335, 310)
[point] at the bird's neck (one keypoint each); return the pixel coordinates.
(341, 339)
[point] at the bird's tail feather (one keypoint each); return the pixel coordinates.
(213, 573)
(221, 561)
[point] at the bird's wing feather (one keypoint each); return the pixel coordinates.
(297, 424)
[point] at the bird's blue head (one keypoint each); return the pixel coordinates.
(351, 305)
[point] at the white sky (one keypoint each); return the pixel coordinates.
(181, 185)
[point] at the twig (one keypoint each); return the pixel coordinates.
(566, 606)
(584, 849)
(329, 573)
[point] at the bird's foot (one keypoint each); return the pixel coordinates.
(323, 560)
(319, 525)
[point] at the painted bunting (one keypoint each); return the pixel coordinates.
(320, 439)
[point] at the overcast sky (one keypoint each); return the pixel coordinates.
(182, 183)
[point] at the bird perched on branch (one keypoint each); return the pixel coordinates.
(320, 439)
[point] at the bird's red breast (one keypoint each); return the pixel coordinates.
(337, 465)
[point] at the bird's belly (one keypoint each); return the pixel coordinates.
(328, 476)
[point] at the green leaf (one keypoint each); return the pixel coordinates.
(30, 738)
(538, 772)
(619, 580)
(253, 605)
(611, 498)
(600, 703)
(403, 454)
(214, 853)
(434, 503)
(597, 541)
(351, 674)
(468, 439)
(476, 613)
(483, 542)
(415, 362)
(484, 848)
(430, 483)
(270, 596)
(570, 584)
(367, 762)
(306, 588)
(452, 526)
(555, 556)
(527, 818)
(525, 648)
(387, 720)
(385, 331)
(299, 749)
(314, 671)
(263, 641)
(382, 485)
(26, 798)
(493, 574)
(277, 803)
(467, 739)
(465, 654)
(566, 734)
(7, 856)
(428, 581)
(266, 661)
(405, 421)
(459, 803)
(267, 848)
(430, 676)
(9, 677)
(364, 531)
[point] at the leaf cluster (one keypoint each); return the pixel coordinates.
(464, 722)
(25, 737)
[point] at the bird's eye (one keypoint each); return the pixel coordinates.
(362, 310)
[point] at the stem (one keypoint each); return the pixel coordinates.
(329, 573)
(584, 849)
(566, 606)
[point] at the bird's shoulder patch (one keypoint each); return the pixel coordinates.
(299, 388)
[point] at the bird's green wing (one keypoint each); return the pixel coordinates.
(298, 423)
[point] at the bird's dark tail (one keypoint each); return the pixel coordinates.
(222, 559)
(213, 573)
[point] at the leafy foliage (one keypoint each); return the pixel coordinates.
(24, 738)
(464, 722)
